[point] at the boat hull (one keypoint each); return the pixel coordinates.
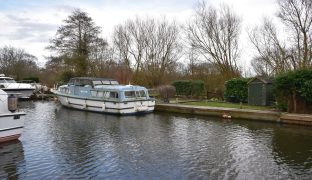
(102, 106)
(11, 126)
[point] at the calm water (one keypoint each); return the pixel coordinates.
(61, 143)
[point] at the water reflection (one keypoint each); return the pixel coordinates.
(292, 146)
(64, 143)
(11, 159)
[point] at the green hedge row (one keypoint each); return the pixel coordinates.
(297, 82)
(236, 90)
(189, 88)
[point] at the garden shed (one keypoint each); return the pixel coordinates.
(260, 91)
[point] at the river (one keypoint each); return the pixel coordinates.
(62, 143)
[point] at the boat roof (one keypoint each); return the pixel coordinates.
(119, 87)
(93, 78)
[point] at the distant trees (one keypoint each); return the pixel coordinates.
(77, 42)
(272, 57)
(214, 34)
(275, 55)
(18, 63)
(297, 17)
(150, 47)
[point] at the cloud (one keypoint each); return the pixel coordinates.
(25, 28)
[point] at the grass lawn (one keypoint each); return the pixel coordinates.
(227, 105)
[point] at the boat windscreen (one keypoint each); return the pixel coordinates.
(129, 94)
(10, 80)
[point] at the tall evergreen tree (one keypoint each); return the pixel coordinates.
(76, 40)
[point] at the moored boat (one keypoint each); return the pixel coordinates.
(105, 95)
(11, 120)
(9, 85)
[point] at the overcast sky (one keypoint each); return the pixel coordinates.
(29, 24)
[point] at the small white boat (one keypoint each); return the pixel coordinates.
(105, 95)
(11, 121)
(9, 85)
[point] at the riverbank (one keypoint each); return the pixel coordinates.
(247, 114)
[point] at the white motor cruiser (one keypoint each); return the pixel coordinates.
(9, 85)
(105, 95)
(11, 120)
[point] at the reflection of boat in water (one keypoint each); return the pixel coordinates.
(11, 156)
(105, 95)
(11, 121)
(9, 85)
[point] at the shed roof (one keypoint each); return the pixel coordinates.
(264, 79)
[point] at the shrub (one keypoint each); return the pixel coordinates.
(34, 79)
(306, 91)
(294, 87)
(236, 90)
(183, 87)
(198, 88)
(166, 92)
(66, 76)
(189, 88)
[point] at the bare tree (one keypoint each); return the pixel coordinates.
(121, 38)
(297, 16)
(273, 57)
(163, 49)
(148, 46)
(18, 63)
(214, 34)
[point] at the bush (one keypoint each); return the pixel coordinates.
(183, 87)
(66, 76)
(198, 88)
(294, 87)
(236, 90)
(306, 91)
(34, 79)
(189, 88)
(166, 92)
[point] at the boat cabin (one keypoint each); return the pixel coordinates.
(4, 79)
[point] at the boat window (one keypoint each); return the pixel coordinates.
(106, 82)
(65, 90)
(85, 82)
(114, 82)
(113, 95)
(100, 94)
(129, 94)
(93, 93)
(141, 93)
(10, 81)
(2, 81)
(106, 94)
(72, 81)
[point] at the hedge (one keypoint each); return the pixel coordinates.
(236, 90)
(298, 82)
(189, 88)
